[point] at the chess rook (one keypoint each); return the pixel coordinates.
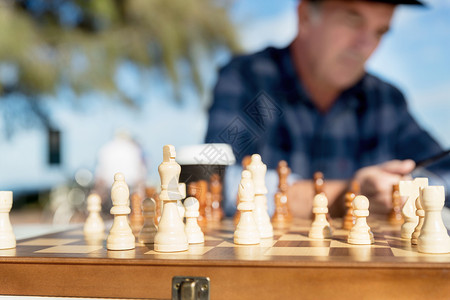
(7, 238)
(120, 236)
(320, 228)
(258, 170)
(94, 223)
(149, 229)
(360, 233)
(193, 231)
(246, 230)
(410, 189)
(433, 236)
(171, 236)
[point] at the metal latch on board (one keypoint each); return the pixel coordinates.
(192, 288)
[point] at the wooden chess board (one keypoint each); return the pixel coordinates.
(288, 266)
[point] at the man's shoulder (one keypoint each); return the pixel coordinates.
(380, 91)
(264, 62)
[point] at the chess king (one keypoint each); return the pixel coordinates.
(171, 236)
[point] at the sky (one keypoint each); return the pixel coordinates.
(413, 56)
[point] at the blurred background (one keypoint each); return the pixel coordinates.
(83, 82)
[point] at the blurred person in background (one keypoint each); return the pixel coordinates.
(314, 105)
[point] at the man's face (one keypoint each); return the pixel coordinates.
(341, 37)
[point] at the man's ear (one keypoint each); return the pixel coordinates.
(304, 16)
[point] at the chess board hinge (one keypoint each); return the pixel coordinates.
(193, 288)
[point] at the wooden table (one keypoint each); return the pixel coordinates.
(289, 266)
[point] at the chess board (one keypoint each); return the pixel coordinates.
(288, 266)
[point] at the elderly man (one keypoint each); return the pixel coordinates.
(314, 105)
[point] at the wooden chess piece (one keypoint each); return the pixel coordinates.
(395, 216)
(433, 236)
(171, 236)
(411, 190)
(360, 233)
(258, 170)
(421, 214)
(193, 231)
(216, 198)
(150, 192)
(94, 224)
(320, 228)
(120, 236)
(246, 232)
(180, 206)
(282, 217)
(7, 237)
(245, 162)
(136, 216)
(349, 219)
(149, 229)
(318, 182)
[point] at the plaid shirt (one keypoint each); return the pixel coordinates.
(260, 106)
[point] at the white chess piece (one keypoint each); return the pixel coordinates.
(171, 236)
(320, 228)
(149, 229)
(258, 170)
(421, 214)
(94, 223)
(246, 230)
(180, 206)
(193, 231)
(410, 189)
(7, 238)
(433, 236)
(360, 233)
(120, 236)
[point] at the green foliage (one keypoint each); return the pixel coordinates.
(84, 56)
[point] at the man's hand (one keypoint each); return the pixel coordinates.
(377, 181)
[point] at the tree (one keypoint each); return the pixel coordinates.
(79, 43)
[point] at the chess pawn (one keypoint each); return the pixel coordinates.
(149, 229)
(120, 236)
(170, 236)
(360, 233)
(258, 170)
(395, 216)
(246, 230)
(433, 236)
(320, 228)
(421, 214)
(410, 189)
(136, 217)
(7, 238)
(94, 223)
(349, 219)
(282, 216)
(193, 231)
